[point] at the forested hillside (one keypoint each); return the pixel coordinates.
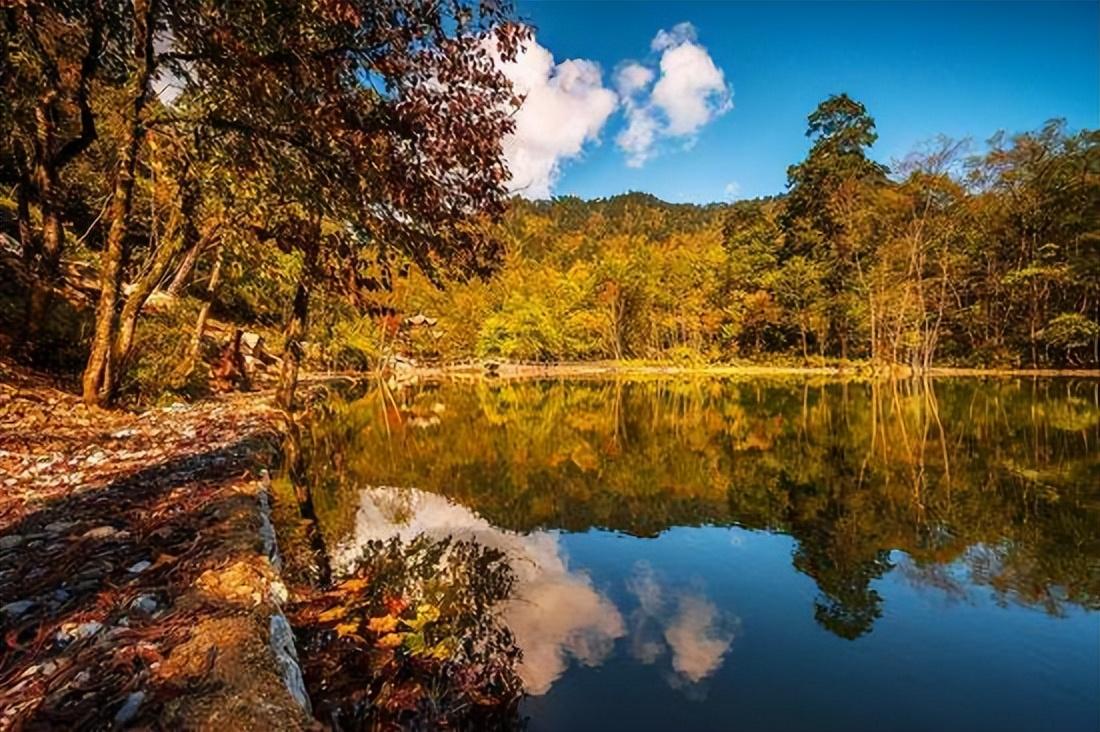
(987, 257)
(154, 202)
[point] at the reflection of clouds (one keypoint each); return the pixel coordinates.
(555, 614)
(646, 644)
(698, 635)
(698, 643)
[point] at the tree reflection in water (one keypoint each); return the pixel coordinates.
(999, 480)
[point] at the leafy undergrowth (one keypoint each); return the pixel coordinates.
(411, 640)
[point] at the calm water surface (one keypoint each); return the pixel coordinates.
(758, 555)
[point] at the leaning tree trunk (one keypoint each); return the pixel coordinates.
(194, 245)
(135, 301)
(183, 274)
(194, 349)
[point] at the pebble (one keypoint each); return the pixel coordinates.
(103, 532)
(10, 541)
(17, 608)
(57, 527)
(145, 604)
(139, 567)
(78, 631)
(129, 708)
(45, 669)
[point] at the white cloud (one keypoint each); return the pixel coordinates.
(681, 33)
(697, 638)
(690, 92)
(639, 135)
(732, 191)
(642, 127)
(565, 106)
(632, 78)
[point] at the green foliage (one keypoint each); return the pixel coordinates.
(989, 259)
(1070, 334)
(971, 261)
(160, 345)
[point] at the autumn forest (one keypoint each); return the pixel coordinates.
(151, 191)
(478, 364)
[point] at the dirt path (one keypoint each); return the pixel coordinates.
(135, 578)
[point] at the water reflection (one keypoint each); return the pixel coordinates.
(556, 614)
(1003, 476)
(689, 551)
(698, 634)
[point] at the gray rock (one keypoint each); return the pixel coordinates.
(17, 608)
(129, 708)
(139, 567)
(144, 604)
(282, 645)
(78, 631)
(10, 541)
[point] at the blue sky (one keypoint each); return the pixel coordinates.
(963, 69)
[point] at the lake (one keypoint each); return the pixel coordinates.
(760, 554)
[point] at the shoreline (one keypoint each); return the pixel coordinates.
(589, 369)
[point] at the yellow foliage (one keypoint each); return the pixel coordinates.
(382, 624)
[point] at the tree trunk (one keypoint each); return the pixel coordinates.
(99, 377)
(183, 274)
(135, 301)
(193, 244)
(204, 311)
(45, 256)
(292, 346)
(27, 240)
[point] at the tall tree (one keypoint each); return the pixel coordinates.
(368, 129)
(51, 54)
(827, 191)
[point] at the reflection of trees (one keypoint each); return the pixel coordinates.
(1002, 476)
(843, 562)
(554, 614)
